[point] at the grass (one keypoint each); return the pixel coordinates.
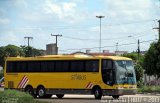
(15, 96)
(149, 89)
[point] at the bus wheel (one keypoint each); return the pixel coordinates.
(41, 92)
(59, 96)
(29, 90)
(98, 93)
(115, 96)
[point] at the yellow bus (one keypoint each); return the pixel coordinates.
(45, 76)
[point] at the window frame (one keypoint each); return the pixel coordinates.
(10, 69)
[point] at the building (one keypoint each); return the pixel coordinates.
(51, 49)
(99, 54)
(88, 52)
(121, 52)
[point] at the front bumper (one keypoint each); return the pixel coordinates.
(119, 91)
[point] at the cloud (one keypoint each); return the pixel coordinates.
(94, 29)
(21, 3)
(34, 16)
(75, 18)
(131, 9)
(69, 7)
(65, 11)
(9, 38)
(4, 21)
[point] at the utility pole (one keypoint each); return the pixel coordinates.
(138, 46)
(28, 38)
(100, 17)
(116, 48)
(158, 30)
(56, 41)
(138, 50)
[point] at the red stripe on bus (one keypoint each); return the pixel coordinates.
(21, 81)
(24, 83)
(88, 84)
(91, 85)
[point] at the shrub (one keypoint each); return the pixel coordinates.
(149, 89)
(14, 96)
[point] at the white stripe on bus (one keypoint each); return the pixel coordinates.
(89, 85)
(25, 84)
(22, 81)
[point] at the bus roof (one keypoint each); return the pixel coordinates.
(75, 56)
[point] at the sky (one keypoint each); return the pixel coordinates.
(124, 23)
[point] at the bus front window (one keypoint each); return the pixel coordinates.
(125, 72)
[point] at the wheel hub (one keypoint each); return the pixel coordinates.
(96, 92)
(41, 92)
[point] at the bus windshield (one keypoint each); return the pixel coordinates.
(125, 72)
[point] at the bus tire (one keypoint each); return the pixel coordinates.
(60, 96)
(97, 93)
(29, 90)
(41, 92)
(115, 96)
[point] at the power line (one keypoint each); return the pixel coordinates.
(109, 46)
(77, 27)
(135, 22)
(106, 39)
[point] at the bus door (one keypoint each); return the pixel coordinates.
(108, 72)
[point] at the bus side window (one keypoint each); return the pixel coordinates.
(77, 66)
(30, 66)
(62, 66)
(91, 66)
(9, 67)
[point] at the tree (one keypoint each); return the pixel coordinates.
(137, 66)
(13, 51)
(134, 56)
(30, 51)
(152, 60)
(9, 50)
(2, 55)
(139, 74)
(37, 52)
(26, 50)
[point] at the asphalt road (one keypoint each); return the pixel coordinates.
(139, 98)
